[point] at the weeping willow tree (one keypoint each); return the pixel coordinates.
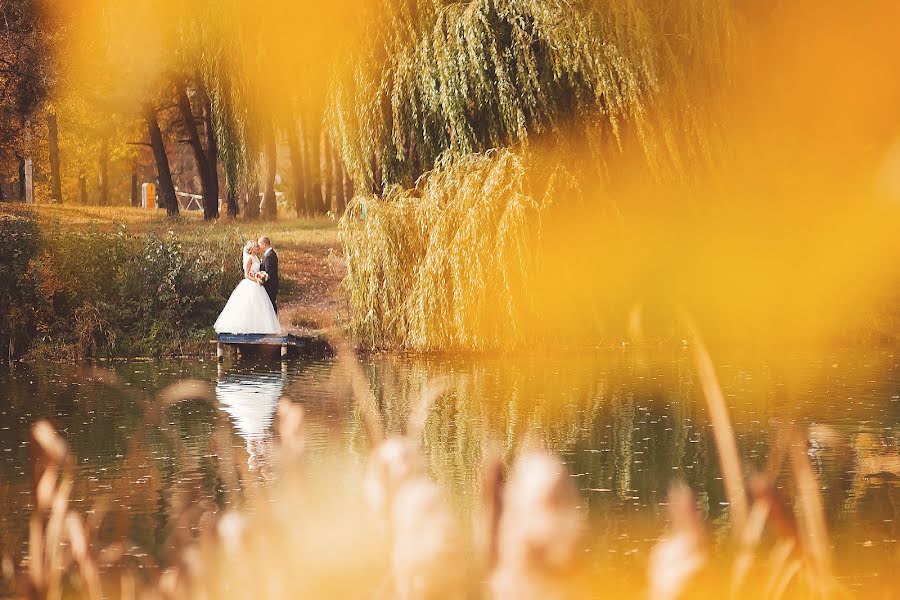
(472, 223)
(268, 66)
(469, 76)
(436, 86)
(217, 48)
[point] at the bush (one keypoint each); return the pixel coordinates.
(96, 293)
(20, 301)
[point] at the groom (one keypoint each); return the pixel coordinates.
(270, 266)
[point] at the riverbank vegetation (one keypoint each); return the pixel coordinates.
(93, 282)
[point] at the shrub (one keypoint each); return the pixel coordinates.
(20, 301)
(99, 293)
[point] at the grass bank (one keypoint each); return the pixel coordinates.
(93, 282)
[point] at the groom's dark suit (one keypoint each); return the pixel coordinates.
(270, 266)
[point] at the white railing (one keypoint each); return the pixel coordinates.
(189, 201)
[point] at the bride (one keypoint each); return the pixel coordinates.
(249, 309)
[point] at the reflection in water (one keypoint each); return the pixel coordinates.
(625, 425)
(250, 399)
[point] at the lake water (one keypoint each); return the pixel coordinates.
(628, 423)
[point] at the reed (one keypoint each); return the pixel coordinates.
(729, 458)
(800, 545)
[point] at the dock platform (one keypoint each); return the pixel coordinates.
(306, 344)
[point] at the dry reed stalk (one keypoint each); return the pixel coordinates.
(127, 587)
(290, 426)
(427, 550)
(783, 567)
(729, 459)
(540, 529)
(187, 389)
(767, 507)
(57, 537)
(492, 478)
(801, 539)
(418, 414)
(676, 561)
(811, 517)
(78, 542)
(427, 560)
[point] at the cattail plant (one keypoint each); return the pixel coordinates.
(60, 551)
(677, 560)
(539, 530)
(799, 556)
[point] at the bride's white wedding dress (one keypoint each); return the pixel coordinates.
(249, 309)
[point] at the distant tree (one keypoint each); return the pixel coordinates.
(204, 158)
(25, 69)
(167, 196)
(53, 139)
(104, 170)
(268, 208)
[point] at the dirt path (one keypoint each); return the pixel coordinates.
(312, 272)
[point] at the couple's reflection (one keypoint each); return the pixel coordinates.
(250, 399)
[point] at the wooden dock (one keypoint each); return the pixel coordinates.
(310, 344)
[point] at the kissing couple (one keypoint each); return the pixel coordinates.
(253, 305)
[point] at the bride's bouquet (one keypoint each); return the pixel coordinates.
(262, 277)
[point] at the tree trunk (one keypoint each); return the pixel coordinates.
(296, 168)
(310, 185)
(135, 188)
(164, 175)
(337, 184)
(211, 210)
(375, 165)
(21, 179)
(251, 199)
(27, 167)
(312, 135)
(55, 179)
(104, 170)
(210, 199)
(324, 168)
(348, 185)
(269, 208)
(305, 169)
(2, 197)
(231, 199)
(82, 189)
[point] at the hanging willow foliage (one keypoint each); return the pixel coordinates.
(222, 48)
(469, 76)
(417, 256)
(454, 93)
